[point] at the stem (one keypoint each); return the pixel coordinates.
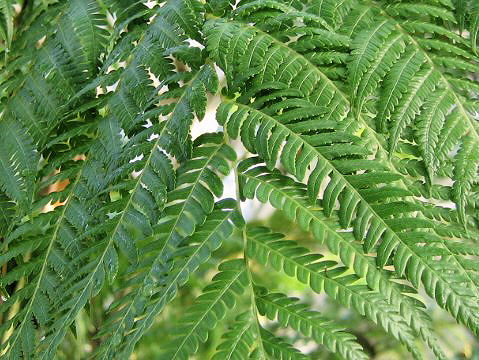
(254, 309)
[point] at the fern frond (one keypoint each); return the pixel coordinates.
(238, 340)
(371, 59)
(309, 323)
(284, 194)
(420, 87)
(208, 309)
(359, 121)
(53, 247)
(436, 60)
(7, 22)
(54, 76)
(302, 151)
(396, 84)
(256, 53)
(326, 276)
(135, 213)
(279, 349)
(431, 121)
(83, 33)
(263, 130)
(187, 207)
(18, 163)
(57, 247)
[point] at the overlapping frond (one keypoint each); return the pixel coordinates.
(46, 251)
(371, 222)
(290, 197)
(187, 206)
(427, 86)
(280, 127)
(291, 313)
(359, 121)
(326, 275)
(208, 309)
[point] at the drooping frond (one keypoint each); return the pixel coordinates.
(133, 216)
(18, 163)
(290, 197)
(290, 313)
(327, 276)
(325, 152)
(53, 260)
(357, 122)
(82, 32)
(302, 139)
(187, 207)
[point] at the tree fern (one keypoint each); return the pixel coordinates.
(356, 121)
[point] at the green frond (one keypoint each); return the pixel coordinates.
(431, 121)
(284, 194)
(433, 11)
(371, 222)
(279, 349)
(83, 33)
(52, 245)
(435, 61)
(238, 340)
(396, 84)
(135, 215)
(421, 87)
(327, 276)
(208, 309)
(56, 247)
(371, 59)
(167, 272)
(253, 52)
(309, 323)
(187, 207)
(18, 163)
(332, 11)
(357, 121)
(6, 24)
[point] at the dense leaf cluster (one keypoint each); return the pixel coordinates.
(359, 120)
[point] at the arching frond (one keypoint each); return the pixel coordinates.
(260, 183)
(187, 207)
(357, 121)
(309, 323)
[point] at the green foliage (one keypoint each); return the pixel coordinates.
(356, 121)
